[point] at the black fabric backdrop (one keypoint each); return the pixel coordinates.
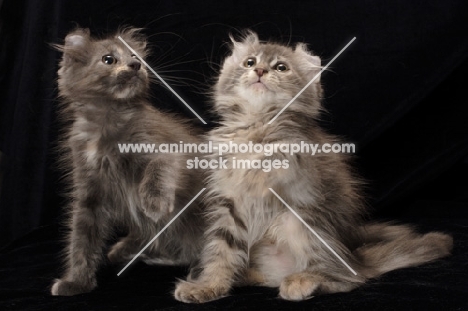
(398, 93)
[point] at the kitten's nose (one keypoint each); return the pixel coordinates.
(135, 65)
(260, 71)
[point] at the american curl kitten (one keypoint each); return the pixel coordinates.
(104, 90)
(252, 237)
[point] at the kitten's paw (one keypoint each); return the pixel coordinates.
(198, 292)
(156, 207)
(298, 287)
(67, 288)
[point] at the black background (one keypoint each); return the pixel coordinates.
(398, 92)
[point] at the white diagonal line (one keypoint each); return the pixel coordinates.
(160, 232)
(161, 79)
(311, 81)
(313, 231)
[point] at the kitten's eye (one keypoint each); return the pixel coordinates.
(109, 59)
(281, 67)
(133, 56)
(250, 62)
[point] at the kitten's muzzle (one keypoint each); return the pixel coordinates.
(129, 76)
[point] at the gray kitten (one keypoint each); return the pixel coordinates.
(252, 238)
(104, 91)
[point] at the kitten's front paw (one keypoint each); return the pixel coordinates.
(198, 292)
(156, 207)
(67, 288)
(122, 251)
(297, 287)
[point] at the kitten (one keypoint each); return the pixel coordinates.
(252, 237)
(103, 88)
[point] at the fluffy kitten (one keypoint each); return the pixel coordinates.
(103, 88)
(252, 238)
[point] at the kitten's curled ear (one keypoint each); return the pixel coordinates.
(240, 49)
(76, 47)
(310, 63)
(249, 38)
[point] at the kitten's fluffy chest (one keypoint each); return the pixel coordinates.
(94, 133)
(242, 132)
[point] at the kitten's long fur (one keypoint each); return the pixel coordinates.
(104, 89)
(252, 237)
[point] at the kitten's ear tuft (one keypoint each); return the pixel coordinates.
(250, 38)
(240, 49)
(135, 38)
(310, 62)
(78, 38)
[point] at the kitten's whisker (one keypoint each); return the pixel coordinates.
(159, 18)
(165, 53)
(180, 71)
(162, 80)
(169, 50)
(183, 84)
(168, 33)
(174, 63)
(175, 78)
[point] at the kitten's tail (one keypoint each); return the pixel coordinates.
(388, 247)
